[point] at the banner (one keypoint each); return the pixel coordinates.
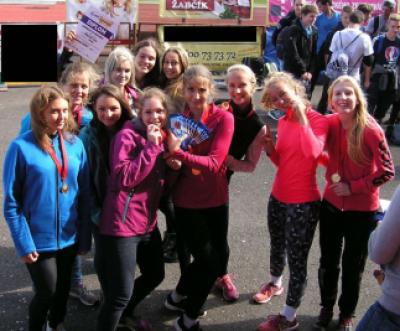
(124, 10)
(207, 9)
(279, 8)
(219, 56)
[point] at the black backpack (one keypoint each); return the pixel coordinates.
(256, 64)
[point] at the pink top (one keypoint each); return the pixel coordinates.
(202, 181)
(296, 155)
(364, 180)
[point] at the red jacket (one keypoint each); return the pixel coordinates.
(202, 180)
(364, 180)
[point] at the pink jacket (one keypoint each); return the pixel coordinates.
(296, 155)
(364, 180)
(135, 185)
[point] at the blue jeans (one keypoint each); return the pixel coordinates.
(378, 318)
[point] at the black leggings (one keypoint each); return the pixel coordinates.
(51, 277)
(205, 232)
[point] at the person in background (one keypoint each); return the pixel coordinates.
(384, 249)
(46, 192)
(378, 24)
(147, 63)
(119, 70)
(367, 10)
(358, 163)
(357, 44)
(293, 207)
(200, 196)
(325, 53)
(300, 47)
(382, 82)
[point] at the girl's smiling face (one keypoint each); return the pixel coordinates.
(281, 96)
(344, 99)
(55, 116)
(145, 60)
(78, 88)
(171, 66)
(153, 112)
(121, 74)
(108, 110)
(240, 88)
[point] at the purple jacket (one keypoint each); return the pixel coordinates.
(135, 184)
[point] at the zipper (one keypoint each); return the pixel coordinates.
(127, 205)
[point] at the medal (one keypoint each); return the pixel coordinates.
(64, 188)
(196, 172)
(335, 178)
(62, 168)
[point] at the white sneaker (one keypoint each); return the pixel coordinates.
(60, 327)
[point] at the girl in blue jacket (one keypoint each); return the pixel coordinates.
(46, 186)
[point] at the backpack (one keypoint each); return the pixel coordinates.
(280, 39)
(256, 64)
(339, 63)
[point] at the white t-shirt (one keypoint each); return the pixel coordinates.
(356, 51)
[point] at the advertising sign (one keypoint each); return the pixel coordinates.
(207, 9)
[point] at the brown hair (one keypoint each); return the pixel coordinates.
(40, 101)
(308, 9)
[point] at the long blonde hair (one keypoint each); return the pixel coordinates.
(361, 120)
(40, 101)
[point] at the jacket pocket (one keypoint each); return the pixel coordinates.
(128, 200)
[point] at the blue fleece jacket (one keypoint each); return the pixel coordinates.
(41, 218)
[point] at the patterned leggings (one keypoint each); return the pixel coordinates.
(291, 229)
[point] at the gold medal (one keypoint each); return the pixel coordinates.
(335, 178)
(196, 172)
(64, 188)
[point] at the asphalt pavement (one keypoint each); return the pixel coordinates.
(249, 260)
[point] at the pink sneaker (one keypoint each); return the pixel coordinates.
(278, 323)
(266, 293)
(229, 291)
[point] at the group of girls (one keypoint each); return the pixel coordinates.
(129, 166)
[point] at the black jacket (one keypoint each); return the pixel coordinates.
(283, 23)
(300, 51)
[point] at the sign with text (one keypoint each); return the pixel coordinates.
(207, 9)
(95, 28)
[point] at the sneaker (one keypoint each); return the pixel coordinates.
(266, 293)
(345, 323)
(134, 324)
(229, 291)
(85, 296)
(324, 318)
(278, 323)
(60, 327)
(180, 326)
(180, 306)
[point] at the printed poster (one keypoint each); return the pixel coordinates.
(95, 28)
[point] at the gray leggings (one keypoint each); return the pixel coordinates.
(291, 229)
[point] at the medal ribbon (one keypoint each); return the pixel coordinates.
(77, 113)
(61, 168)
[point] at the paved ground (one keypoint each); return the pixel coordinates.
(249, 256)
